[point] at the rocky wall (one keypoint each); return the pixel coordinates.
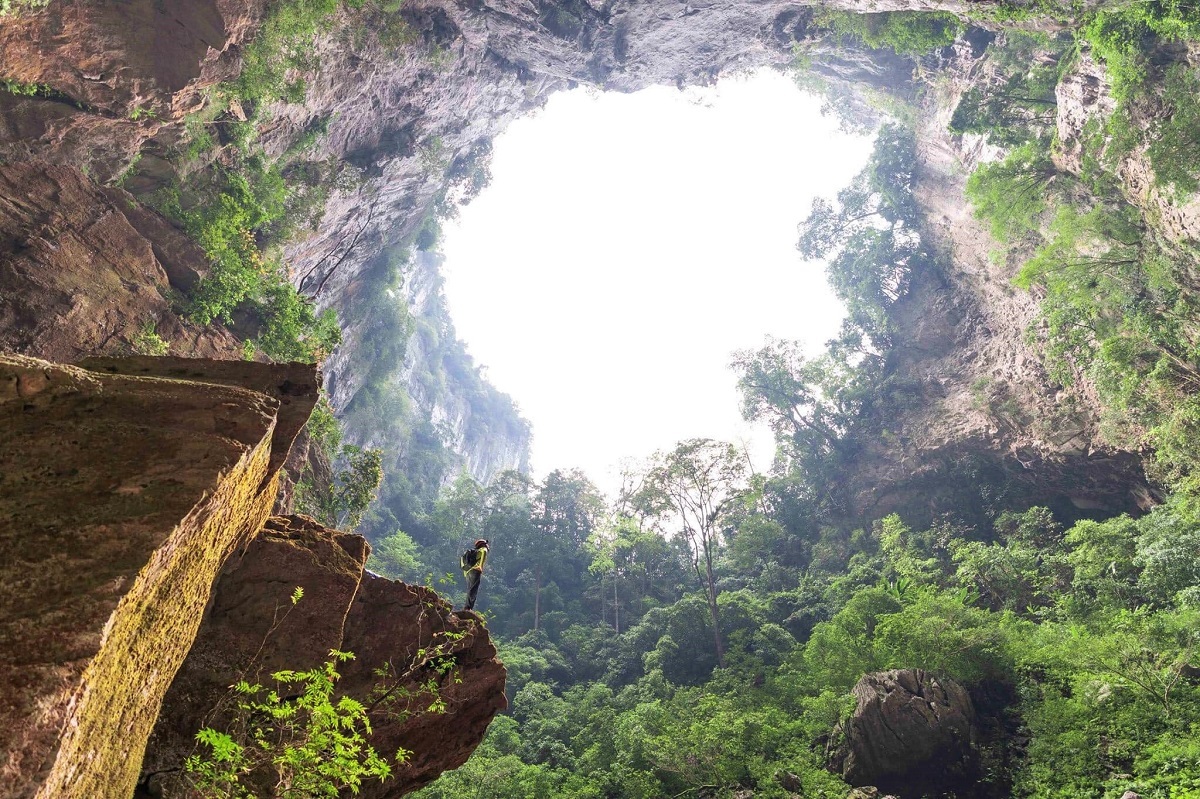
(120, 498)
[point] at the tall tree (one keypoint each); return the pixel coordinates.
(692, 490)
(566, 509)
(870, 236)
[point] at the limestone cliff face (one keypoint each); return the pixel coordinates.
(408, 112)
(479, 427)
(120, 498)
(988, 415)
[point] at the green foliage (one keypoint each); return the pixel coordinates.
(311, 742)
(1125, 36)
(357, 484)
(282, 50)
(383, 21)
(1174, 149)
(911, 33)
(396, 557)
(21, 88)
(14, 7)
(871, 237)
(290, 330)
(323, 427)
(343, 500)
(1013, 102)
(1114, 311)
(236, 213)
(1012, 194)
(146, 340)
(810, 402)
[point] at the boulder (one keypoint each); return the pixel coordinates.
(911, 734)
(120, 498)
(435, 669)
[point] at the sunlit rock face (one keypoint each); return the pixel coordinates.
(120, 498)
(429, 676)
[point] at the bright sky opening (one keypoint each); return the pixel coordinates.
(628, 245)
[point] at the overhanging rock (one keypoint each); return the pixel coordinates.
(120, 498)
(428, 676)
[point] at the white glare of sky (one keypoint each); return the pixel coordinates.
(628, 244)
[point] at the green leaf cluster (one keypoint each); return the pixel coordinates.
(299, 738)
(910, 33)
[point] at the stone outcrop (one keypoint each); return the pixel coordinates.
(911, 734)
(120, 498)
(426, 673)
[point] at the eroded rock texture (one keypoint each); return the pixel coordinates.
(911, 734)
(409, 99)
(84, 270)
(120, 498)
(405, 639)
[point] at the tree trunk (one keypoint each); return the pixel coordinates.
(712, 607)
(616, 608)
(537, 599)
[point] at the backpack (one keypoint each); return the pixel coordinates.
(468, 559)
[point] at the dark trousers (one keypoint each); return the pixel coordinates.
(473, 578)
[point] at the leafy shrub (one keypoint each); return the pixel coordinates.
(310, 742)
(290, 329)
(146, 340)
(911, 33)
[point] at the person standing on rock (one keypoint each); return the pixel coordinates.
(472, 565)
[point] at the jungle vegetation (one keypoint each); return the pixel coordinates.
(698, 635)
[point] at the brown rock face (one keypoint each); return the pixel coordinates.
(120, 497)
(399, 635)
(83, 269)
(911, 734)
(115, 57)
